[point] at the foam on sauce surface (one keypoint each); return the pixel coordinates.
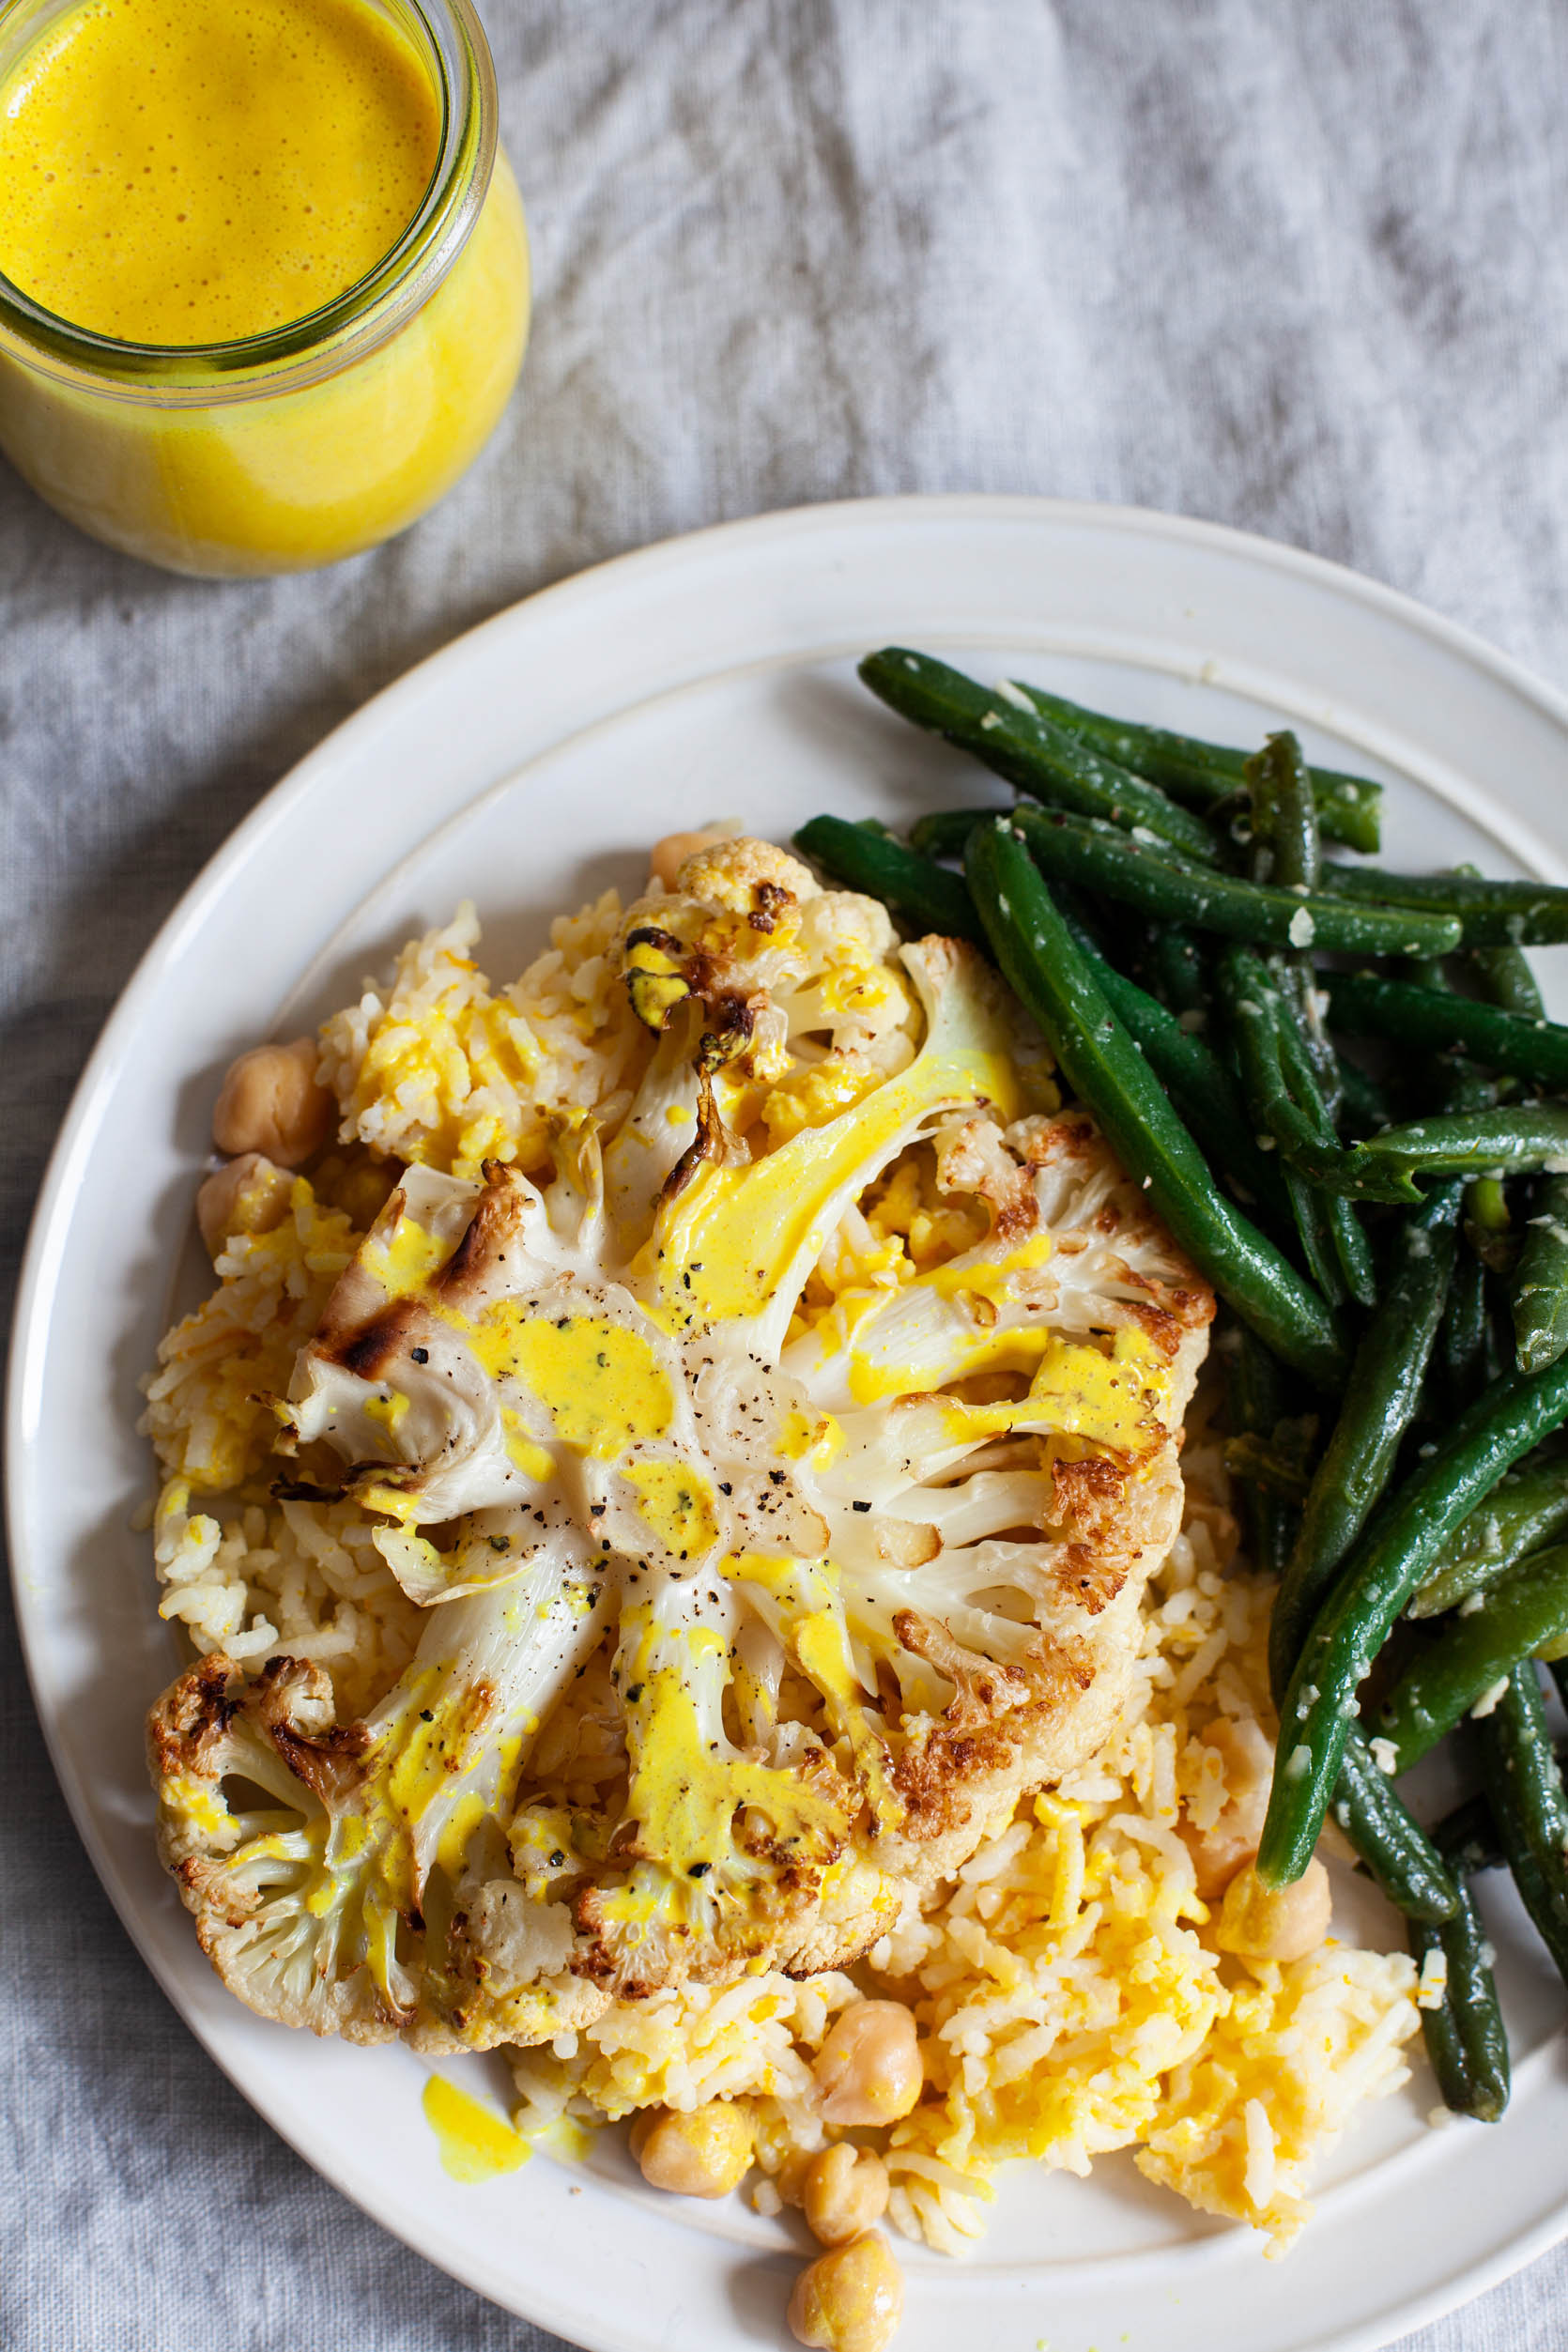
(199, 171)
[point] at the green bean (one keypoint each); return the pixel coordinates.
(1491, 914)
(1496, 1340)
(1297, 984)
(1423, 1877)
(1522, 1512)
(1067, 850)
(1309, 1214)
(1363, 1004)
(943, 832)
(1281, 1461)
(1283, 1093)
(926, 896)
(1174, 961)
(1393, 1847)
(1540, 1293)
(1005, 730)
(1337, 1239)
(1467, 1836)
(1519, 1139)
(1475, 1652)
(1365, 1105)
(1462, 1342)
(1506, 979)
(1503, 976)
(1205, 775)
(1375, 1582)
(1524, 1788)
(1351, 1247)
(1286, 845)
(1191, 1071)
(1389, 1844)
(1457, 1369)
(1042, 963)
(1287, 852)
(1295, 1054)
(1429, 972)
(1465, 2039)
(1487, 1205)
(1379, 1404)
(1490, 1230)
(1256, 1397)
(1296, 1121)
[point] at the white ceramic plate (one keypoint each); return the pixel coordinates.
(527, 765)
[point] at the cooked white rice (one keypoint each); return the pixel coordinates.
(434, 1068)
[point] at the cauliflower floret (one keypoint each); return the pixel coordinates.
(745, 874)
(358, 1897)
(871, 1572)
(787, 973)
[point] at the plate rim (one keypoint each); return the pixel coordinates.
(277, 806)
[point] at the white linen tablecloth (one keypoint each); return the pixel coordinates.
(1297, 265)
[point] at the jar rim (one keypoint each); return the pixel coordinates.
(354, 322)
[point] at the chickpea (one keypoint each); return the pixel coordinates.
(357, 1184)
(844, 2192)
(789, 2179)
(1248, 1763)
(250, 1195)
(705, 2153)
(1282, 1924)
(272, 1102)
(849, 2299)
(668, 855)
(868, 2069)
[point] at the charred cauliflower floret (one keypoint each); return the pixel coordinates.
(336, 1871)
(858, 1567)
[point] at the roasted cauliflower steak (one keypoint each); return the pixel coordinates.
(859, 1544)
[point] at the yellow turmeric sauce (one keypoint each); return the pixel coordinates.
(179, 172)
(473, 2142)
(194, 173)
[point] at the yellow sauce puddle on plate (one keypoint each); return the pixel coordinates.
(475, 2144)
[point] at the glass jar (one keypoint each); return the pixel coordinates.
(315, 439)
